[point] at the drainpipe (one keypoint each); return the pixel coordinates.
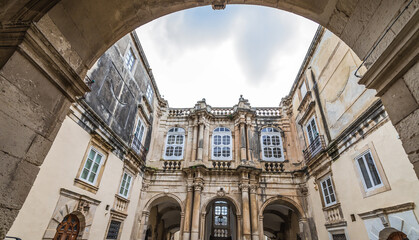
(317, 96)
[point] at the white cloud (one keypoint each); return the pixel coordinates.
(218, 55)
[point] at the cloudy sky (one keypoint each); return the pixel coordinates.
(219, 55)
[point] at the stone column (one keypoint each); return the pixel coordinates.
(243, 143)
(188, 210)
(245, 208)
(200, 142)
(188, 145)
(182, 223)
(254, 212)
(206, 145)
(248, 138)
(304, 229)
(143, 225)
(194, 142)
(198, 184)
(261, 235)
(239, 227)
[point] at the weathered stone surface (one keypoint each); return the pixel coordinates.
(412, 81)
(408, 130)
(7, 216)
(399, 101)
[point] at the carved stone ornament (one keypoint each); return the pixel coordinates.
(83, 206)
(221, 192)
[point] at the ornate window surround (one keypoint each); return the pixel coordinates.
(176, 134)
(222, 132)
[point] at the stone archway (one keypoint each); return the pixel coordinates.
(47, 46)
(283, 218)
(163, 217)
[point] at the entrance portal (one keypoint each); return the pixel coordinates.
(221, 220)
(164, 220)
(280, 222)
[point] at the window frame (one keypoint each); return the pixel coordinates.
(130, 59)
(303, 84)
(149, 93)
(336, 231)
(324, 180)
(129, 185)
(230, 145)
(312, 119)
(141, 124)
(362, 156)
(98, 171)
(278, 133)
(166, 145)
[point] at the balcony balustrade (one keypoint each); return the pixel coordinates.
(316, 147)
(139, 149)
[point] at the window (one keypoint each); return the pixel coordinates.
(125, 185)
(129, 60)
(220, 213)
(328, 191)
(149, 94)
(311, 129)
(138, 136)
(113, 230)
(339, 236)
(368, 170)
(271, 144)
(303, 89)
(91, 166)
(221, 144)
(174, 143)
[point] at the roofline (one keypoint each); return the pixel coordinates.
(146, 64)
(314, 43)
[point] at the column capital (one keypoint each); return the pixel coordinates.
(253, 188)
(244, 187)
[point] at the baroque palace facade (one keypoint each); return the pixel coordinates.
(326, 163)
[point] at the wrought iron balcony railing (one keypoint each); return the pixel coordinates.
(317, 146)
(139, 149)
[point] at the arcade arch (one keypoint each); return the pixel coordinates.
(164, 218)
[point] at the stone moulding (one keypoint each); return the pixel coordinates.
(397, 59)
(36, 48)
(387, 210)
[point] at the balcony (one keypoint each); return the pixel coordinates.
(316, 147)
(139, 149)
(120, 204)
(334, 216)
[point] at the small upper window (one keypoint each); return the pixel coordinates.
(370, 176)
(138, 136)
(303, 89)
(271, 144)
(125, 185)
(92, 166)
(174, 143)
(221, 144)
(221, 213)
(311, 129)
(130, 59)
(328, 192)
(149, 94)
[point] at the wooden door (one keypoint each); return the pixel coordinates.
(68, 228)
(397, 236)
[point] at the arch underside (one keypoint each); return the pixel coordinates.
(90, 30)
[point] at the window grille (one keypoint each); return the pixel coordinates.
(113, 230)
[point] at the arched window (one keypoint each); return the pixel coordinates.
(68, 229)
(174, 144)
(221, 144)
(271, 143)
